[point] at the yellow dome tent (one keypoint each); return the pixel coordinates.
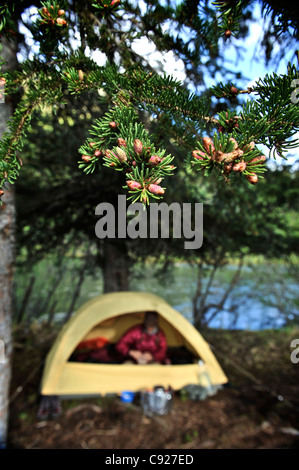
(109, 316)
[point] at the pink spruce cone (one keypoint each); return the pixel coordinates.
(86, 158)
(155, 189)
(113, 125)
(198, 155)
(236, 145)
(207, 142)
(133, 185)
(220, 156)
(155, 160)
(121, 142)
(138, 146)
(249, 147)
(260, 159)
(158, 181)
(109, 154)
(239, 166)
(228, 168)
(121, 155)
(253, 179)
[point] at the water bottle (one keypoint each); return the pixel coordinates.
(204, 378)
(157, 401)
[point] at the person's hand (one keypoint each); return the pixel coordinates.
(147, 357)
(141, 358)
(135, 354)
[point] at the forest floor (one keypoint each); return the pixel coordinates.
(258, 409)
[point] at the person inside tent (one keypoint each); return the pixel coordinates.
(145, 343)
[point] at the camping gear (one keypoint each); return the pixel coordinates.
(157, 401)
(49, 407)
(127, 396)
(108, 316)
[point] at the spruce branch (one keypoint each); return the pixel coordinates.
(38, 93)
(119, 142)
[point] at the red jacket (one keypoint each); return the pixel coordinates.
(136, 338)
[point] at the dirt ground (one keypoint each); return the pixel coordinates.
(258, 409)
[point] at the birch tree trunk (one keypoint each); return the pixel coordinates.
(7, 262)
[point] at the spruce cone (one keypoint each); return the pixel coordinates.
(98, 153)
(121, 155)
(155, 160)
(138, 146)
(198, 154)
(239, 166)
(220, 156)
(86, 158)
(207, 142)
(155, 189)
(109, 154)
(113, 125)
(253, 178)
(61, 21)
(260, 159)
(236, 145)
(121, 142)
(133, 185)
(249, 147)
(228, 168)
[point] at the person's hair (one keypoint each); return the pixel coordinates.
(151, 317)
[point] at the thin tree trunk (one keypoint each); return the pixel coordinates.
(116, 266)
(51, 313)
(7, 263)
(43, 307)
(25, 300)
(77, 290)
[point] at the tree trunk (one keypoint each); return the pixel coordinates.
(21, 313)
(7, 262)
(77, 290)
(116, 272)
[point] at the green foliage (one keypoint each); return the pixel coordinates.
(136, 94)
(7, 25)
(231, 12)
(121, 143)
(41, 90)
(228, 156)
(284, 16)
(51, 28)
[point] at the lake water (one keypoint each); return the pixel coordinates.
(261, 288)
(253, 300)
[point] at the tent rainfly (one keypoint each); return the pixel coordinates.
(108, 317)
